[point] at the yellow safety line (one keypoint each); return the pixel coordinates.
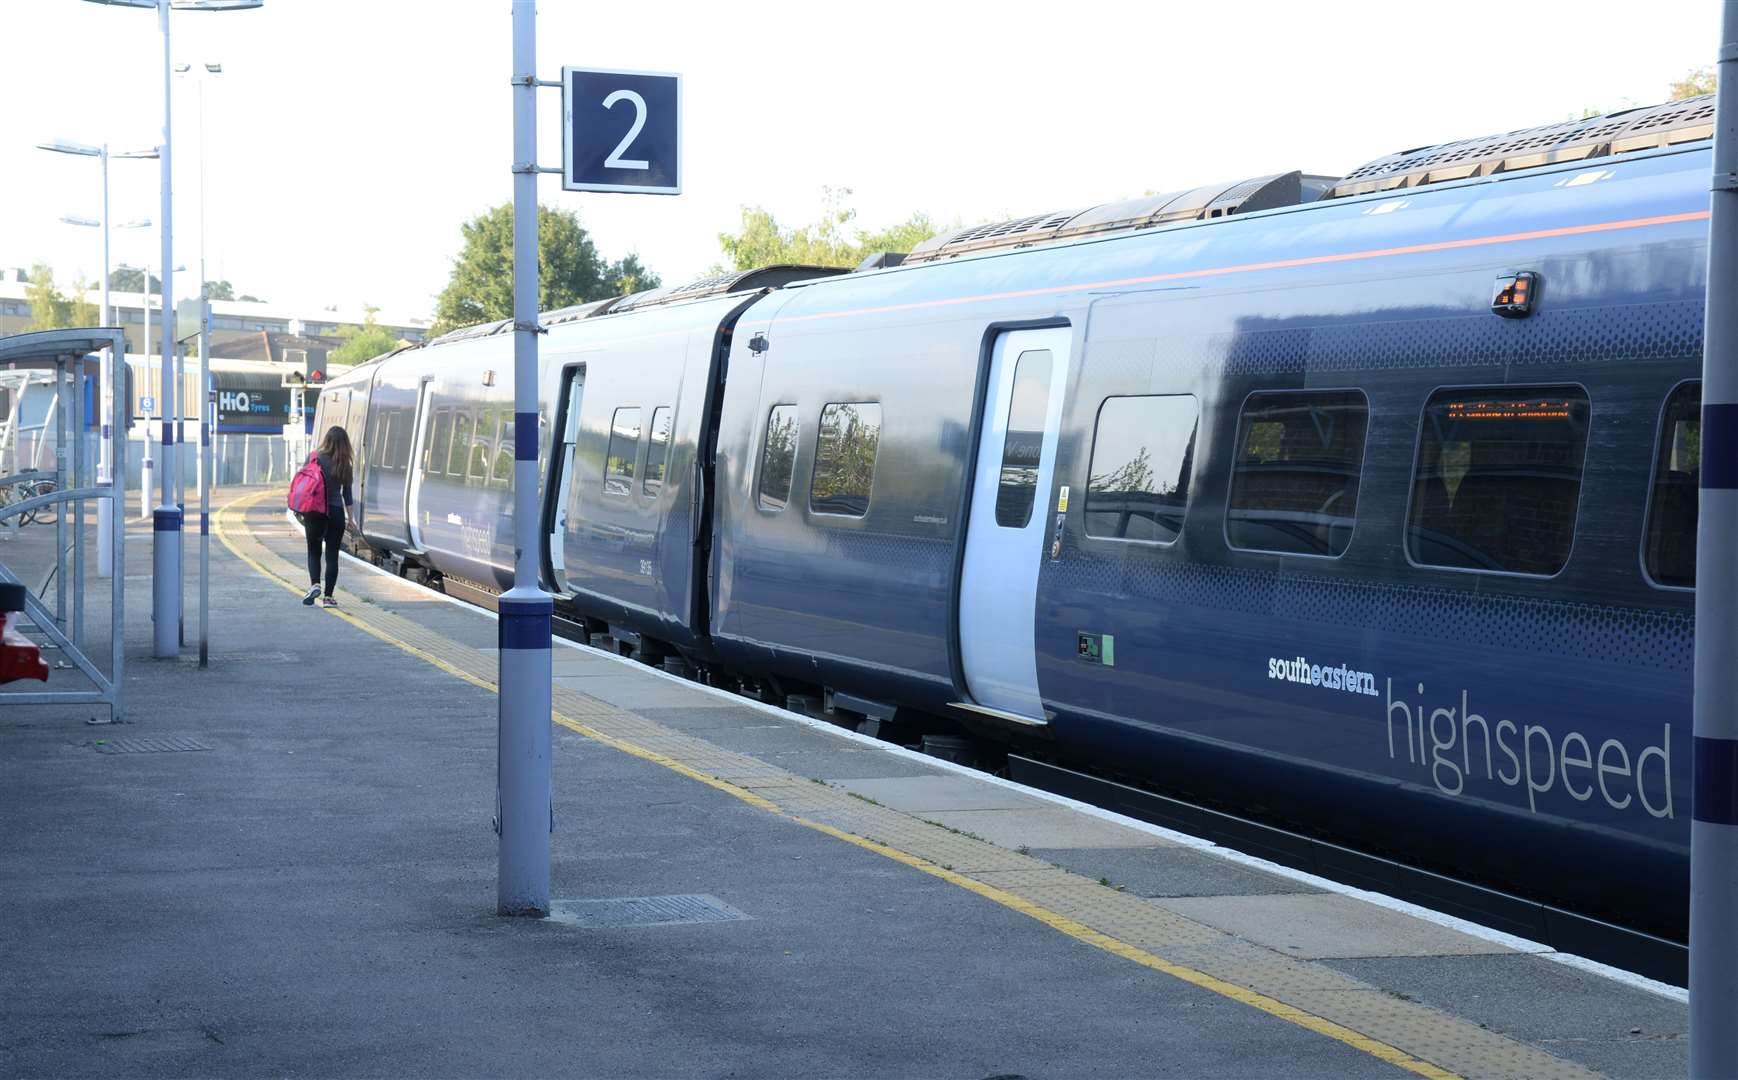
(1056, 921)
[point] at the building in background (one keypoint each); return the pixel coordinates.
(237, 326)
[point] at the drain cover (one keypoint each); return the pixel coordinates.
(163, 744)
(643, 911)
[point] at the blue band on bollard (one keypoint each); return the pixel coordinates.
(1715, 781)
(525, 436)
(525, 624)
(204, 524)
(166, 520)
(1719, 446)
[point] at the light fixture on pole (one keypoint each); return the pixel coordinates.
(166, 519)
(105, 394)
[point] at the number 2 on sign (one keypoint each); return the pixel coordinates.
(615, 160)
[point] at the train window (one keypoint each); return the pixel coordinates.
(624, 448)
(439, 443)
(482, 445)
(1670, 542)
(658, 452)
(1023, 445)
(1294, 481)
(502, 474)
(1143, 452)
(845, 446)
(398, 440)
(1498, 479)
(461, 448)
(778, 455)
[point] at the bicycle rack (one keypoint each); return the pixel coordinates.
(61, 361)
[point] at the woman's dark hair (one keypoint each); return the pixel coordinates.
(336, 447)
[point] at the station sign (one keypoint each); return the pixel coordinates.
(621, 131)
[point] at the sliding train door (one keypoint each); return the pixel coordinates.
(559, 492)
(1005, 532)
(418, 467)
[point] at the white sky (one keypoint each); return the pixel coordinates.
(350, 138)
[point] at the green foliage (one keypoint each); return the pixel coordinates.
(832, 241)
(47, 306)
(1698, 82)
(51, 309)
(363, 343)
(127, 279)
(81, 310)
(570, 270)
(219, 290)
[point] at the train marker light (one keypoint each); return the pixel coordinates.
(1513, 298)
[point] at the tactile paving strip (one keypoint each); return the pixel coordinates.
(1412, 1036)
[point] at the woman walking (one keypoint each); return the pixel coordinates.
(327, 529)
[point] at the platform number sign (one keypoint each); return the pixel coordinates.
(621, 131)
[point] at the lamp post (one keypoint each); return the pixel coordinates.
(166, 518)
(105, 507)
(211, 71)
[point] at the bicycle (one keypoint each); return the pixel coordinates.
(20, 490)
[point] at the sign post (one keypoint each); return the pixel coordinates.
(621, 131)
(1714, 765)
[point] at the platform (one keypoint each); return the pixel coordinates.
(284, 865)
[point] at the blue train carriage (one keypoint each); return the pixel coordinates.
(628, 387)
(1373, 509)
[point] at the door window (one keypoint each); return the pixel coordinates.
(1023, 445)
(1670, 551)
(658, 452)
(778, 455)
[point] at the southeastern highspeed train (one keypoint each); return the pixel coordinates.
(1362, 504)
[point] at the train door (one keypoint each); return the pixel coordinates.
(559, 492)
(1005, 531)
(413, 487)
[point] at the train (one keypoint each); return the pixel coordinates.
(1363, 504)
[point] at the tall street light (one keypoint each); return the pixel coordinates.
(105, 507)
(166, 519)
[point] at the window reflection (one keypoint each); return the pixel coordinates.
(1143, 452)
(624, 447)
(845, 449)
(777, 457)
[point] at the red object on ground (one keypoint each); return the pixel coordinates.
(19, 656)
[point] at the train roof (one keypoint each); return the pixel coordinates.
(764, 277)
(1646, 128)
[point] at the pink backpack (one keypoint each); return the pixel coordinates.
(308, 488)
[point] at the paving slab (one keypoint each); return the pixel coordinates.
(1043, 827)
(1170, 871)
(1325, 925)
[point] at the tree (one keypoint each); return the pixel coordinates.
(831, 241)
(80, 310)
(1698, 82)
(127, 279)
(49, 310)
(569, 269)
(219, 290)
(363, 343)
